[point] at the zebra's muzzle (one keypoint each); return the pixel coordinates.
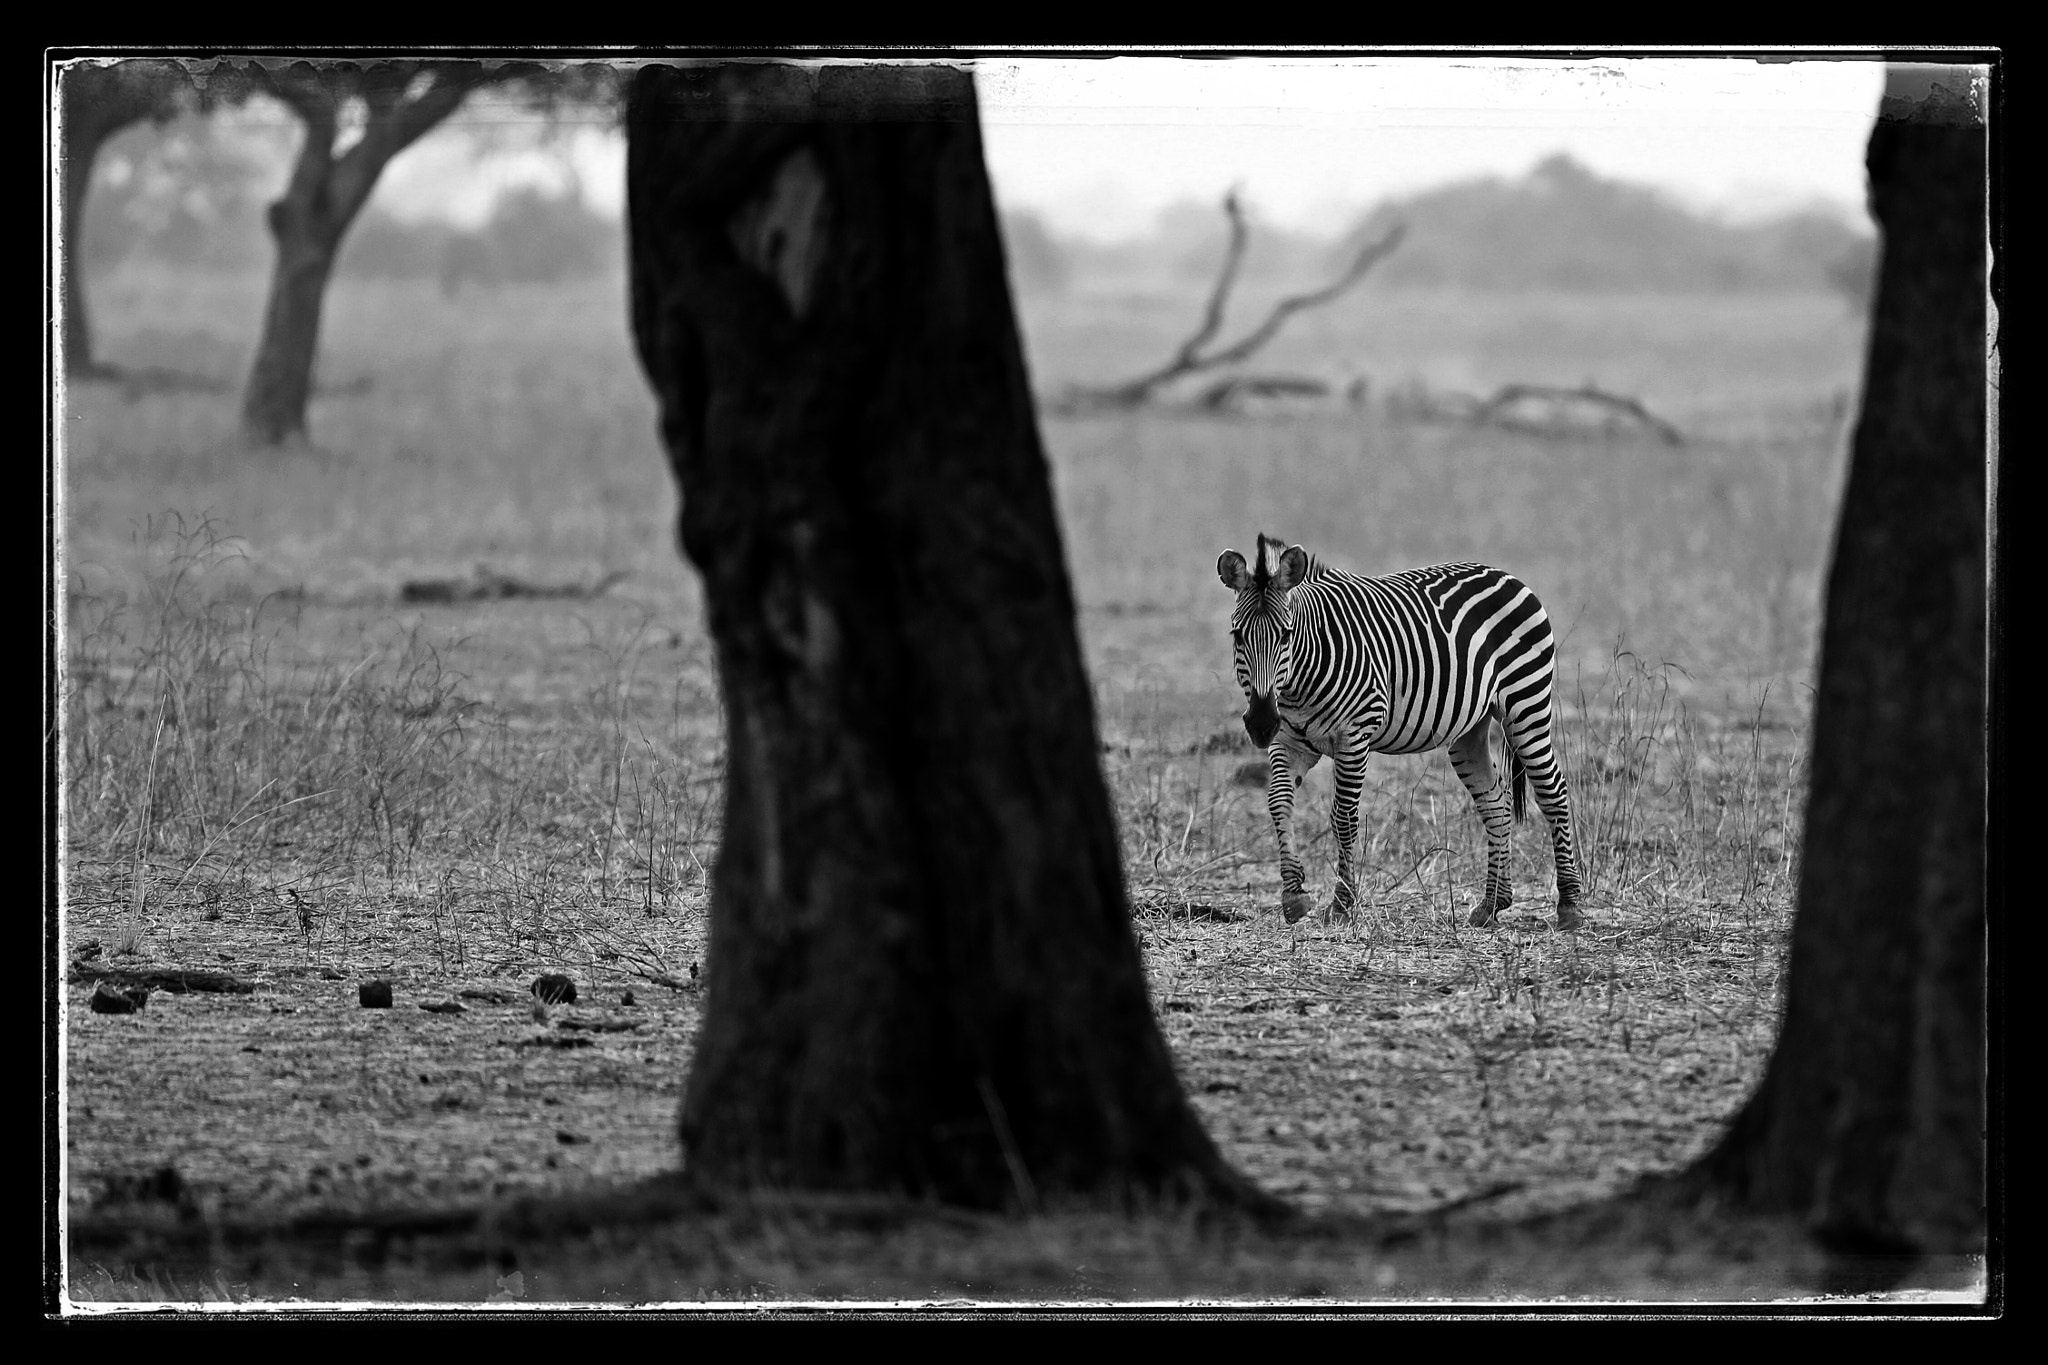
(1261, 719)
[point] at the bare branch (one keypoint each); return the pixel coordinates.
(1233, 256)
(1287, 307)
(410, 118)
(302, 90)
(395, 119)
(1189, 358)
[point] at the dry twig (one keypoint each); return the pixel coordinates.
(1190, 359)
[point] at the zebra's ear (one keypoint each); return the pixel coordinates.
(1230, 568)
(1293, 568)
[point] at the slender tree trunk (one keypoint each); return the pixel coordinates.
(98, 102)
(401, 101)
(81, 151)
(281, 380)
(1869, 1123)
(922, 976)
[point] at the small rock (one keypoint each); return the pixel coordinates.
(161, 1186)
(375, 995)
(626, 999)
(108, 998)
(555, 989)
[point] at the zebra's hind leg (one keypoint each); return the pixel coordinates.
(1532, 744)
(1472, 757)
(1285, 770)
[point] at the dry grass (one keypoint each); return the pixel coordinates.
(270, 760)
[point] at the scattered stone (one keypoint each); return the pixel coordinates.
(626, 999)
(329, 974)
(375, 995)
(88, 950)
(110, 997)
(569, 1139)
(555, 989)
(161, 1186)
(561, 1040)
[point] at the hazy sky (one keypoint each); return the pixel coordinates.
(1099, 146)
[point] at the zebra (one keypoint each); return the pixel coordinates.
(1341, 666)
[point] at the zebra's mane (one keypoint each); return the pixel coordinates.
(1270, 550)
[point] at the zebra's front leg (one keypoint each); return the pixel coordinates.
(1286, 766)
(1350, 764)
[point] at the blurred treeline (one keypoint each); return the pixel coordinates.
(191, 193)
(1562, 227)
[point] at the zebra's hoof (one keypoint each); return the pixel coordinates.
(1295, 905)
(1484, 912)
(1568, 916)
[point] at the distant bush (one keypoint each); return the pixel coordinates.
(189, 192)
(1038, 262)
(532, 235)
(1853, 274)
(1565, 227)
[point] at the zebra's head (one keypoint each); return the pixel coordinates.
(1262, 628)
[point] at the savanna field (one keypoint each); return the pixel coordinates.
(281, 765)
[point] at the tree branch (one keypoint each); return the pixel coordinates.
(300, 89)
(1286, 308)
(395, 121)
(1212, 319)
(1189, 358)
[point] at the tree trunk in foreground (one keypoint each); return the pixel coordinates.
(1869, 1123)
(922, 974)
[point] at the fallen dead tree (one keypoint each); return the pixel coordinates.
(1191, 358)
(488, 585)
(1533, 410)
(1539, 410)
(1263, 392)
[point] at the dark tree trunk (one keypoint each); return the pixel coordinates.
(401, 102)
(281, 380)
(922, 974)
(1869, 1123)
(81, 150)
(98, 102)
